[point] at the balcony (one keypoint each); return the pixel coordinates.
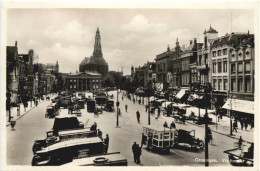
(203, 67)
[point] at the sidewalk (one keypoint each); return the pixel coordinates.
(15, 114)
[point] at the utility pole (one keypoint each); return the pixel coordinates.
(206, 89)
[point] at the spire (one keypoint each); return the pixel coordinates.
(177, 42)
(168, 48)
(97, 46)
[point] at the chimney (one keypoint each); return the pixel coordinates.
(15, 43)
(190, 42)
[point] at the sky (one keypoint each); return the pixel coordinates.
(128, 36)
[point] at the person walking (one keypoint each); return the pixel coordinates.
(138, 154)
(119, 111)
(134, 150)
(106, 141)
(234, 126)
(126, 107)
(209, 135)
(173, 125)
(240, 142)
(122, 97)
(146, 108)
(99, 133)
(144, 138)
(133, 100)
(138, 116)
(165, 124)
(242, 123)
(159, 111)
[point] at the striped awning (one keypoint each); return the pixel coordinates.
(244, 106)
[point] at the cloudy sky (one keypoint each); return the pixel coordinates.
(128, 36)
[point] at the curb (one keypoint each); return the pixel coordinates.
(23, 114)
(220, 133)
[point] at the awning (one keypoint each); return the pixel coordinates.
(240, 105)
(181, 93)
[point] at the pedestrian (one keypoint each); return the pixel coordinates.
(209, 135)
(173, 125)
(138, 153)
(119, 112)
(93, 127)
(122, 97)
(36, 102)
(242, 123)
(138, 116)
(106, 140)
(144, 139)
(139, 101)
(159, 111)
(150, 141)
(165, 124)
(126, 107)
(183, 119)
(99, 133)
(252, 123)
(246, 123)
(134, 150)
(146, 108)
(134, 101)
(234, 126)
(240, 142)
(13, 122)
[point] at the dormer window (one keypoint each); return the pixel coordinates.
(247, 53)
(240, 54)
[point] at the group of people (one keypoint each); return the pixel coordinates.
(172, 126)
(244, 123)
(100, 135)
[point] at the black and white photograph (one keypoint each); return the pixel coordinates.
(130, 86)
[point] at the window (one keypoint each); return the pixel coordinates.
(219, 52)
(214, 53)
(214, 67)
(233, 84)
(206, 59)
(70, 80)
(219, 67)
(247, 55)
(224, 51)
(247, 84)
(240, 84)
(225, 84)
(240, 68)
(74, 86)
(233, 68)
(74, 81)
(214, 83)
(70, 86)
(219, 84)
(247, 67)
(225, 66)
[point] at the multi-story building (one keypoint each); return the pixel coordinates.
(227, 71)
(83, 81)
(204, 57)
(189, 56)
(149, 70)
(242, 59)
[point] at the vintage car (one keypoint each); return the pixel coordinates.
(101, 98)
(65, 102)
(91, 105)
(187, 137)
(64, 128)
(158, 139)
(64, 151)
(109, 107)
(110, 159)
(51, 112)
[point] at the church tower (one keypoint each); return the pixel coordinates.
(97, 46)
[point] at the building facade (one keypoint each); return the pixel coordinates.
(86, 81)
(204, 57)
(96, 63)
